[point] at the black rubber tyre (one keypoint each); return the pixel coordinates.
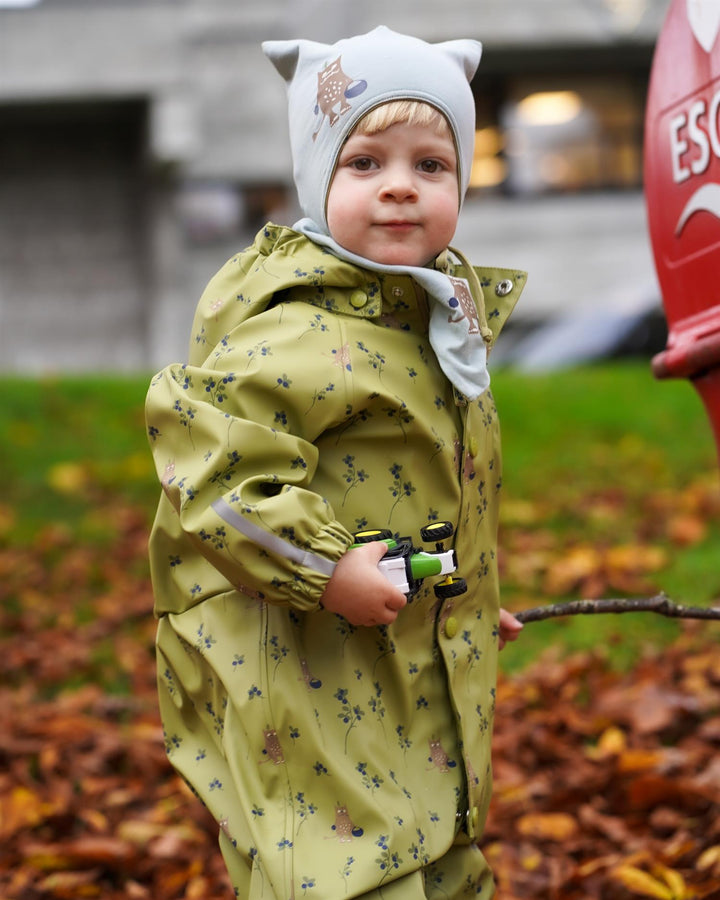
(372, 534)
(453, 587)
(437, 531)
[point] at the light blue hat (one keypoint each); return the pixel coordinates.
(332, 86)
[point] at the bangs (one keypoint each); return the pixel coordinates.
(408, 112)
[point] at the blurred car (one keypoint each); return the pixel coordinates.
(634, 326)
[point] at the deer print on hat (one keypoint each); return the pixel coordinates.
(464, 305)
(334, 87)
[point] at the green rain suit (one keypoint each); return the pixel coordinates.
(339, 761)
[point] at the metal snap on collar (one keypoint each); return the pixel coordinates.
(503, 288)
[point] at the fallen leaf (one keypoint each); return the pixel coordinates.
(548, 826)
(641, 883)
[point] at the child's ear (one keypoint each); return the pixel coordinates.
(284, 55)
(466, 54)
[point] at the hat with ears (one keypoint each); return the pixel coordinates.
(332, 86)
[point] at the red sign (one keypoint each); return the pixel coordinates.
(682, 191)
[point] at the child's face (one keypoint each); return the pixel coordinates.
(394, 195)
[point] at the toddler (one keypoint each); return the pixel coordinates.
(337, 381)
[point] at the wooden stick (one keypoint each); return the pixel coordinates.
(660, 604)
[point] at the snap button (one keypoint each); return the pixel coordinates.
(358, 299)
(503, 288)
(451, 627)
(397, 292)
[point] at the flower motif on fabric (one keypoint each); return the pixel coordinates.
(320, 395)
(226, 473)
(400, 416)
(371, 782)
(350, 714)
(353, 476)
(399, 488)
(388, 859)
(260, 350)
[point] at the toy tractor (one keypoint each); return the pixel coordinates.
(407, 566)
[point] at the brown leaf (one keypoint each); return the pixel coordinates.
(72, 885)
(81, 853)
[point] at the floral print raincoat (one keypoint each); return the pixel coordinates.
(338, 760)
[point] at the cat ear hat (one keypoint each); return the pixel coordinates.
(332, 86)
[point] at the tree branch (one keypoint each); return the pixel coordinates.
(660, 604)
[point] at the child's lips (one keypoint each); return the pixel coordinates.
(398, 225)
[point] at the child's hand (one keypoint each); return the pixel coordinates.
(510, 628)
(358, 590)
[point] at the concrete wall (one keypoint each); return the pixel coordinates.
(98, 268)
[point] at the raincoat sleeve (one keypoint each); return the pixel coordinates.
(232, 441)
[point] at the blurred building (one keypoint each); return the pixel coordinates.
(143, 141)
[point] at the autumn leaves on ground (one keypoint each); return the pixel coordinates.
(607, 768)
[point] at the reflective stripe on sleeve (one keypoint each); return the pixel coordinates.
(272, 542)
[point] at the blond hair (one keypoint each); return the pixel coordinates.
(408, 112)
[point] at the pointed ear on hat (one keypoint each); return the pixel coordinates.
(466, 54)
(285, 55)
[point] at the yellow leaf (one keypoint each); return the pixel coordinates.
(22, 808)
(673, 879)
(709, 858)
(612, 742)
(636, 558)
(520, 512)
(67, 478)
(137, 466)
(568, 571)
(639, 882)
(531, 860)
(548, 826)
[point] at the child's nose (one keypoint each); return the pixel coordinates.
(398, 184)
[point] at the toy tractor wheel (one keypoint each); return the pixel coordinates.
(451, 587)
(437, 531)
(372, 534)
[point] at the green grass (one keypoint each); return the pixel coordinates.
(92, 426)
(597, 456)
(613, 422)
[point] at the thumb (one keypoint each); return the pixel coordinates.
(373, 550)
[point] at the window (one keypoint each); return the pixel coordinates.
(562, 133)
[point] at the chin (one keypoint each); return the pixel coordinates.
(399, 259)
